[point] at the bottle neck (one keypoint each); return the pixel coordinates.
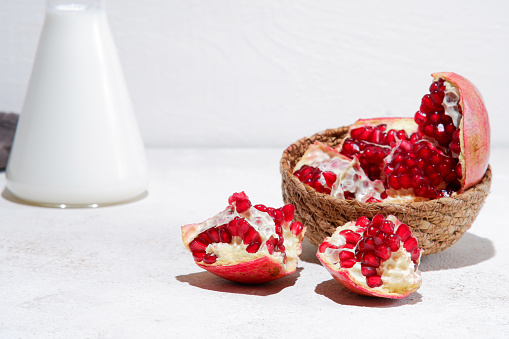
(74, 5)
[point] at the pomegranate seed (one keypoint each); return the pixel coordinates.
(241, 201)
(330, 178)
(393, 240)
(377, 220)
(347, 245)
(366, 245)
(346, 255)
(374, 281)
(205, 238)
(387, 227)
(368, 271)
(370, 259)
(209, 259)
(411, 244)
(427, 105)
(348, 263)
(296, 227)
(251, 236)
(420, 118)
(323, 246)
(371, 231)
(362, 221)
(383, 252)
(198, 255)
(350, 236)
(242, 227)
(278, 216)
(459, 172)
(261, 208)
(225, 236)
(232, 227)
(379, 238)
(288, 211)
(253, 247)
(214, 235)
(404, 232)
(415, 255)
(197, 245)
(404, 180)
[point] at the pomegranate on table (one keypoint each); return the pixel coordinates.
(377, 257)
(245, 243)
(442, 151)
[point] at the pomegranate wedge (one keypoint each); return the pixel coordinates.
(245, 243)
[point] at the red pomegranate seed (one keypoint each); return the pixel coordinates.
(197, 245)
(415, 254)
(427, 105)
(393, 240)
(198, 255)
(225, 236)
(253, 247)
(387, 227)
(241, 200)
(371, 231)
(288, 211)
(420, 118)
(232, 227)
(347, 245)
(330, 178)
(348, 263)
(323, 246)
(296, 227)
(362, 222)
(204, 237)
(379, 238)
(346, 255)
(411, 244)
(350, 236)
(366, 245)
(261, 208)
(377, 220)
(383, 252)
(251, 236)
(368, 271)
(374, 281)
(242, 227)
(214, 235)
(209, 259)
(370, 259)
(404, 232)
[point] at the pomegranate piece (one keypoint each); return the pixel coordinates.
(330, 172)
(442, 151)
(387, 267)
(245, 243)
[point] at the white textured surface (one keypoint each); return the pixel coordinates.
(267, 72)
(123, 272)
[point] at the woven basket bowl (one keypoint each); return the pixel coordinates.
(437, 224)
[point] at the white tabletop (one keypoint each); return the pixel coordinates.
(123, 272)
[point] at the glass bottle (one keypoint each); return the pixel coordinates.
(77, 143)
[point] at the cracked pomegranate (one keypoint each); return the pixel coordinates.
(444, 149)
(377, 257)
(245, 243)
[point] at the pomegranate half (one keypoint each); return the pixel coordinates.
(245, 243)
(378, 257)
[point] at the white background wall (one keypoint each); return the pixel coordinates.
(266, 72)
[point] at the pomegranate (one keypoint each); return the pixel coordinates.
(377, 257)
(245, 243)
(444, 149)
(330, 172)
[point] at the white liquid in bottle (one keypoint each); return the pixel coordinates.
(77, 141)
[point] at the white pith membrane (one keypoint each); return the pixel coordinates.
(399, 274)
(350, 177)
(235, 252)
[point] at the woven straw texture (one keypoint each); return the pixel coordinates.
(437, 224)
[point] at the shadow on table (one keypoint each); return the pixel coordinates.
(309, 253)
(469, 250)
(208, 281)
(341, 295)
